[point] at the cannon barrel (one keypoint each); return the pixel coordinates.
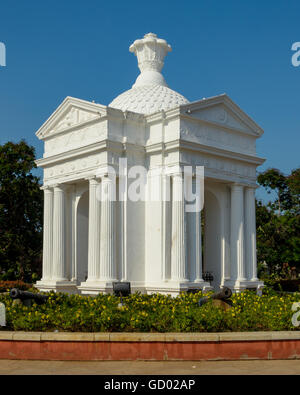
(224, 294)
(25, 295)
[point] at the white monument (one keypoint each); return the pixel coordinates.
(157, 246)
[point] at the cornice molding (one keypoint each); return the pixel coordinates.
(64, 156)
(196, 147)
(104, 145)
(186, 145)
(224, 99)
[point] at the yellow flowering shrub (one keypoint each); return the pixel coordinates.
(153, 313)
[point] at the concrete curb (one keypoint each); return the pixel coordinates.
(148, 337)
(63, 346)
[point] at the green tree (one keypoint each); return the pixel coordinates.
(278, 222)
(293, 182)
(274, 181)
(21, 213)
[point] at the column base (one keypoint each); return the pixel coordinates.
(96, 287)
(174, 288)
(57, 286)
(242, 285)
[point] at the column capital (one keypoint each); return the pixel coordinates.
(174, 171)
(59, 187)
(237, 187)
(177, 176)
(106, 171)
(108, 177)
(93, 180)
(251, 187)
(47, 188)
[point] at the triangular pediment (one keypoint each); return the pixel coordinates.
(222, 111)
(71, 113)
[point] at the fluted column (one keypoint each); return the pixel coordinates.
(48, 233)
(237, 232)
(59, 236)
(94, 230)
(250, 233)
(198, 241)
(107, 254)
(166, 226)
(178, 261)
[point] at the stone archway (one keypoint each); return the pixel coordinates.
(212, 241)
(82, 237)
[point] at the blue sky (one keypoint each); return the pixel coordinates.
(80, 48)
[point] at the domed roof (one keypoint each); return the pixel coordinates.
(150, 93)
(148, 99)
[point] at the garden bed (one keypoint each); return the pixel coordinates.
(153, 313)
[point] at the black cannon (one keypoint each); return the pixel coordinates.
(121, 289)
(27, 297)
(223, 295)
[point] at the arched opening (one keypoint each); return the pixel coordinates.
(82, 237)
(212, 238)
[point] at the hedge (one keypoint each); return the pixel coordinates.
(153, 313)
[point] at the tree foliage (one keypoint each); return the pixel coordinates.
(278, 222)
(21, 202)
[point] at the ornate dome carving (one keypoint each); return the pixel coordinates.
(150, 93)
(148, 99)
